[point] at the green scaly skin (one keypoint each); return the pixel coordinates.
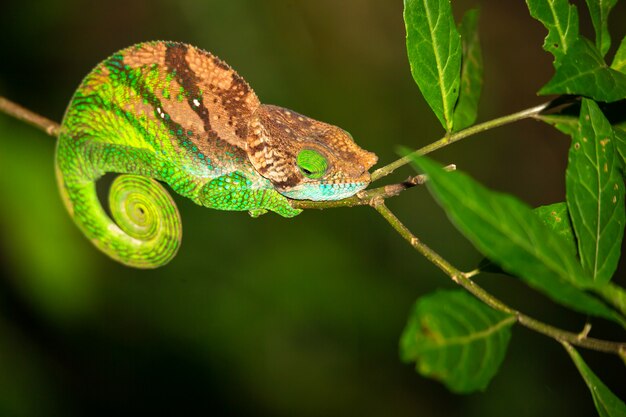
(168, 112)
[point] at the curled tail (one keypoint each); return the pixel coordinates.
(145, 231)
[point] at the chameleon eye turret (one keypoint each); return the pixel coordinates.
(312, 164)
(172, 113)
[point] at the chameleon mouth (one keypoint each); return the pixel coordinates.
(326, 191)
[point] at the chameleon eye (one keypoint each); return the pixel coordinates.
(312, 164)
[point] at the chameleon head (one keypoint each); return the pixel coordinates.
(306, 159)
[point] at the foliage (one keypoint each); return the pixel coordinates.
(455, 338)
(595, 193)
(580, 66)
(510, 234)
(568, 251)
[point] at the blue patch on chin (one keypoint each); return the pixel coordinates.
(324, 192)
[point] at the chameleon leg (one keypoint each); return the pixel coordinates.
(233, 192)
(147, 228)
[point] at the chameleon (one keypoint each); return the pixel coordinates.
(170, 113)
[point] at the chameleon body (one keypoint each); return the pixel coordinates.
(170, 112)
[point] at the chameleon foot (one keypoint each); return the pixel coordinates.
(254, 213)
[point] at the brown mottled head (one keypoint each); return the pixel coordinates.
(305, 158)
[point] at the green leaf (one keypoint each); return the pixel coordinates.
(456, 339)
(599, 10)
(582, 71)
(561, 20)
(607, 403)
(509, 233)
(434, 50)
(619, 60)
(556, 218)
(595, 193)
(466, 108)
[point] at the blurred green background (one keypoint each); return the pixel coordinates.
(269, 316)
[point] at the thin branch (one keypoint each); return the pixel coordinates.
(463, 280)
(455, 137)
(21, 113)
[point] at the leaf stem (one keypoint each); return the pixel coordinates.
(21, 113)
(463, 279)
(457, 136)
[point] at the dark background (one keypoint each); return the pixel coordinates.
(270, 316)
